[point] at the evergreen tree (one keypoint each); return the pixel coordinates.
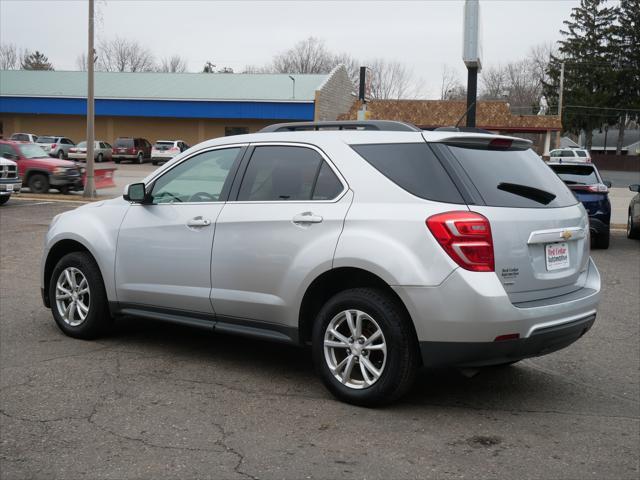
(628, 66)
(588, 50)
(36, 61)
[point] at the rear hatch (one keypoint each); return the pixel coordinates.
(586, 184)
(124, 145)
(164, 149)
(539, 229)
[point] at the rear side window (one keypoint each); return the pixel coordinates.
(581, 153)
(576, 174)
(281, 173)
(413, 167)
(511, 178)
(124, 142)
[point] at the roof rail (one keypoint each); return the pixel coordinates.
(379, 125)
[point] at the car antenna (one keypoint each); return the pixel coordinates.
(465, 113)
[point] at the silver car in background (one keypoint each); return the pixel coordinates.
(383, 247)
(55, 146)
(102, 151)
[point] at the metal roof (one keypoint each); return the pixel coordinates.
(251, 87)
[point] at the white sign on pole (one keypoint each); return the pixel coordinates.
(471, 42)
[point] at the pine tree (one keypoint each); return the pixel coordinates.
(628, 65)
(36, 61)
(588, 51)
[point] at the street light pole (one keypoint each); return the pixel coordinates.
(89, 187)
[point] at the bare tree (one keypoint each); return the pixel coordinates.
(307, 56)
(81, 62)
(450, 86)
(122, 55)
(9, 56)
(390, 80)
(494, 84)
(173, 64)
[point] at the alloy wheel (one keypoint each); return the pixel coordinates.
(355, 349)
(73, 296)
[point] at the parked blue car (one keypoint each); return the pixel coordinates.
(589, 188)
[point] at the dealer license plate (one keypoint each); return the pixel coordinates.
(557, 255)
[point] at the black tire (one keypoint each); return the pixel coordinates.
(633, 230)
(154, 162)
(98, 318)
(601, 241)
(64, 189)
(60, 154)
(4, 199)
(99, 158)
(38, 183)
(402, 358)
(116, 161)
(140, 158)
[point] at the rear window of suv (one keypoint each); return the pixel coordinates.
(513, 178)
(576, 174)
(124, 142)
(413, 167)
(46, 140)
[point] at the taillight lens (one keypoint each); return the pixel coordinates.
(174, 149)
(54, 145)
(466, 237)
(597, 188)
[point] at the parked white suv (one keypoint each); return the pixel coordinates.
(574, 155)
(164, 150)
(384, 248)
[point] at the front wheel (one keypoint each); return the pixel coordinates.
(38, 183)
(633, 230)
(78, 299)
(364, 347)
(4, 199)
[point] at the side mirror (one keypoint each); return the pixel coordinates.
(634, 188)
(607, 183)
(135, 192)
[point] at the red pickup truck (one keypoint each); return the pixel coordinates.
(39, 171)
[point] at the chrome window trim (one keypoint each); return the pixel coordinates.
(324, 156)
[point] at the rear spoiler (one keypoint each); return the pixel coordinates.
(488, 142)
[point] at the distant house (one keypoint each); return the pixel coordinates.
(607, 140)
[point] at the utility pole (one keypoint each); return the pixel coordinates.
(560, 103)
(89, 187)
(471, 55)
(472, 95)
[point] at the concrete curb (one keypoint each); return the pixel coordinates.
(55, 198)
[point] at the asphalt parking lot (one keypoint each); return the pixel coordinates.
(158, 401)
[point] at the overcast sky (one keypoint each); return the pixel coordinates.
(424, 35)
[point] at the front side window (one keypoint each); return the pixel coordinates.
(287, 173)
(581, 153)
(199, 179)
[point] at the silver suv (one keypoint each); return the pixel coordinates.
(383, 247)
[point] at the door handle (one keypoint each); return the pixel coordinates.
(306, 217)
(198, 222)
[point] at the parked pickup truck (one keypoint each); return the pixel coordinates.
(9, 180)
(41, 172)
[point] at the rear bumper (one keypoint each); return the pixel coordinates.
(473, 308)
(125, 156)
(479, 354)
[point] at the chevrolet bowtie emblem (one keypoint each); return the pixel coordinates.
(566, 235)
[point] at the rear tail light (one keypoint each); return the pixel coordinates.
(54, 145)
(174, 149)
(73, 150)
(508, 336)
(597, 188)
(500, 144)
(131, 150)
(466, 237)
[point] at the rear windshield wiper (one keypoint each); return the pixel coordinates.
(535, 194)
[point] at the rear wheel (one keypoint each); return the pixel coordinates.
(140, 158)
(116, 161)
(601, 240)
(364, 347)
(99, 159)
(38, 183)
(154, 162)
(78, 299)
(60, 154)
(633, 230)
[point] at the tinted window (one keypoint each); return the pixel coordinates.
(46, 140)
(20, 137)
(497, 175)
(414, 167)
(576, 174)
(66, 141)
(163, 145)
(81, 144)
(568, 153)
(124, 142)
(199, 179)
(581, 153)
(555, 153)
(327, 185)
(4, 148)
(280, 173)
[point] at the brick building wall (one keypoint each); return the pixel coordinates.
(335, 96)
